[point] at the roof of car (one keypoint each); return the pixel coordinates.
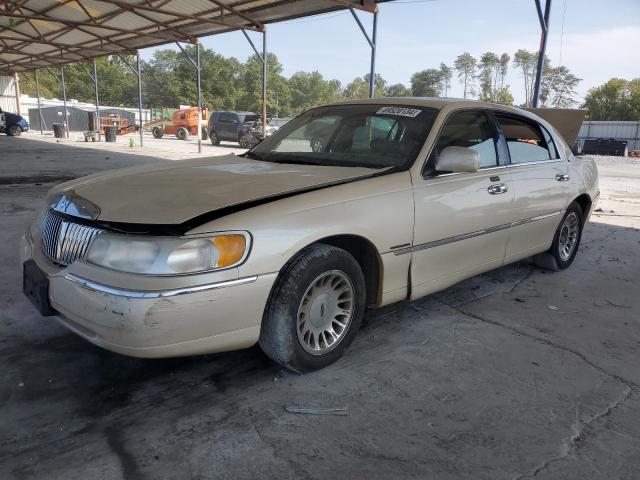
(232, 111)
(433, 102)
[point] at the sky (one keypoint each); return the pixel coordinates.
(595, 39)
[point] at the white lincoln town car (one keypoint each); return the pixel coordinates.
(348, 206)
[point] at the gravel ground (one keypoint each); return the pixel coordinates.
(517, 373)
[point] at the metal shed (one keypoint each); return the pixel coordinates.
(77, 119)
(628, 131)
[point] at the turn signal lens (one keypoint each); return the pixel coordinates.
(230, 249)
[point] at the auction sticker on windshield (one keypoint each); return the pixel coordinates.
(399, 111)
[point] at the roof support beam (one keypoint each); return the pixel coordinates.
(364, 5)
(544, 26)
(372, 43)
(233, 10)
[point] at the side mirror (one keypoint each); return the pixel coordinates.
(458, 160)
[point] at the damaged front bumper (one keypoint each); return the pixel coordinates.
(160, 322)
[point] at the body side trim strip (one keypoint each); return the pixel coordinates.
(102, 288)
(477, 233)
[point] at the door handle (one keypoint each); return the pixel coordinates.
(562, 177)
(497, 188)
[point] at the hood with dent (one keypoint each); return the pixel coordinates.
(173, 194)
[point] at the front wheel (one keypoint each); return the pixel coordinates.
(213, 136)
(567, 238)
(245, 141)
(14, 131)
(157, 132)
(315, 309)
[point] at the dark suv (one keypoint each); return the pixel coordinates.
(232, 126)
(12, 124)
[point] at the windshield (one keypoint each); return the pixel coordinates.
(251, 118)
(374, 136)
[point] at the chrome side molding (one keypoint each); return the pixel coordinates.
(102, 288)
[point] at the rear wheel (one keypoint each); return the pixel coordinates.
(213, 136)
(567, 238)
(182, 133)
(204, 133)
(157, 132)
(315, 309)
(14, 130)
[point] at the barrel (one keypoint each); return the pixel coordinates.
(58, 131)
(110, 134)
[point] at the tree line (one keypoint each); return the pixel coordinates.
(168, 80)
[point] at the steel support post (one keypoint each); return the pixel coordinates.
(16, 87)
(263, 58)
(39, 103)
(95, 83)
(264, 83)
(65, 114)
(196, 66)
(139, 92)
(544, 26)
(372, 43)
(199, 101)
(372, 79)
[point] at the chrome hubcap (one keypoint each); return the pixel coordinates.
(568, 236)
(317, 146)
(325, 312)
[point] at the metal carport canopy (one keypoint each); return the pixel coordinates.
(52, 33)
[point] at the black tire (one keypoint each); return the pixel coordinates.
(318, 144)
(182, 133)
(278, 335)
(205, 134)
(213, 136)
(244, 141)
(563, 260)
(14, 131)
(157, 132)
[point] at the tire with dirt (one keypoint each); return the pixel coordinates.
(14, 131)
(245, 141)
(182, 133)
(213, 136)
(315, 308)
(157, 132)
(567, 238)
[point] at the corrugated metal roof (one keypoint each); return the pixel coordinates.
(50, 33)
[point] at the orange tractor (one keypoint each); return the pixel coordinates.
(182, 124)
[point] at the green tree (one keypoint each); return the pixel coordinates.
(465, 67)
(445, 78)
(357, 88)
(617, 99)
(398, 90)
(526, 62)
(558, 87)
(489, 67)
(309, 90)
(426, 83)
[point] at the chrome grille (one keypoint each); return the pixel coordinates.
(64, 241)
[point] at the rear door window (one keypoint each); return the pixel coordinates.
(525, 139)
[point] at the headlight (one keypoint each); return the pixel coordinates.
(168, 255)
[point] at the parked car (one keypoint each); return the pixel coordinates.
(287, 245)
(233, 127)
(12, 124)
